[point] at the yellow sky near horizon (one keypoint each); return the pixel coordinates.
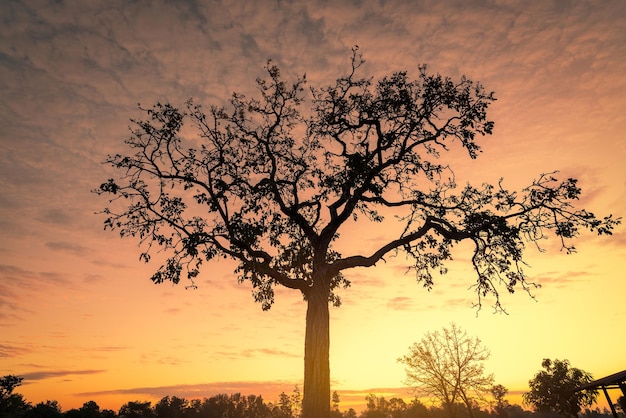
(79, 317)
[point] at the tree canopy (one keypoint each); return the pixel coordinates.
(449, 366)
(552, 389)
(269, 182)
(11, 404)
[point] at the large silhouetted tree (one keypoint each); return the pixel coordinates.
(270, 181)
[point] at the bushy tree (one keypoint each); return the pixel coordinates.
(47, 409)
(449, 367)
(90, 409)
(136, 410)
(270, 183)
(172, 407)
(234, 406)
(12, 404)
(8, 384)
(621, 404)
(552, 389)
(500, 404)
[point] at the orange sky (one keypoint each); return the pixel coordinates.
(79, 318)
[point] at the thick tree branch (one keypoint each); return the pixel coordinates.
(438, 225)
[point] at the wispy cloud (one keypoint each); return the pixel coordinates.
(235, 353)
(48, 374)
(400, 303)
(104, 348)
(56, 216)
(67, 247)
(18, 284)
(161, 358)
(561, 278)
(269, 389)
(269, 352)
(15, 274)
(13, 350)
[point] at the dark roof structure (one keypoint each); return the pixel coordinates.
(614, 381)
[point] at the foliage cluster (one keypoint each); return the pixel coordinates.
(277, 176)
(251, 406)
(553, 388)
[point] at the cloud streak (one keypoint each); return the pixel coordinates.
(269, 389)
(13, 350)
(48, 374)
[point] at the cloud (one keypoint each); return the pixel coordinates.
(93, 278)
(105, 348)
(234, 354)
(269, 389)
(14, 350)
(9, 305)
(454, 303)
(56, 216)
(157, 358)
(617, 241)
(173, 311)
(561, 279)
(23, 278)
(47, 374)
(400, 303)
(67, 247)
(18, 284)
(269, 352)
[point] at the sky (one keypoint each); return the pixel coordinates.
(80, 319)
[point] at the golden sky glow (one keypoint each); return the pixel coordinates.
(79, 318)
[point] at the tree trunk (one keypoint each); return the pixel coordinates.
(467, 401)
(316, 400)
(449, 405)
(469, 409)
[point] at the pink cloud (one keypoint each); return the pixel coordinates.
(400, 303)
(268, 389)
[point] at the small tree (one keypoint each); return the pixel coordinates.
(449, 367)
(270, 185)
(552, 389)
(289, 406)
(621, 404)
(500, 404)
(8, 384)
(336, 400)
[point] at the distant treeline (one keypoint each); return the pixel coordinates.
(252, 406)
